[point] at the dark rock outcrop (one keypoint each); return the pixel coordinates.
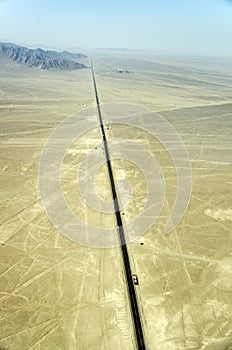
(42, 59)
(123, 71)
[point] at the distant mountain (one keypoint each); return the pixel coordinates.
(120, 49)
(43, 59)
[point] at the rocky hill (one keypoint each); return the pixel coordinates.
(42, 59)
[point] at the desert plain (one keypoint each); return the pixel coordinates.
(58, 294)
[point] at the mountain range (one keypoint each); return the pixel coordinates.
(43, 59)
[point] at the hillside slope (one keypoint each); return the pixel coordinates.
(42, 59)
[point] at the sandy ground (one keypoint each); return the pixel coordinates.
(58, 294)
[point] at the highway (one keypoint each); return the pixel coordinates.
(135, 313)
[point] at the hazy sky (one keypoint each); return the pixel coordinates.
(170, 26)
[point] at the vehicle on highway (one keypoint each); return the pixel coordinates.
(135, 279)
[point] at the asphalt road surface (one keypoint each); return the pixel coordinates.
(127, 266)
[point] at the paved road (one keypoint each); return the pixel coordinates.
(127, 267)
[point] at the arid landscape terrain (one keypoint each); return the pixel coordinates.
(58, 294)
